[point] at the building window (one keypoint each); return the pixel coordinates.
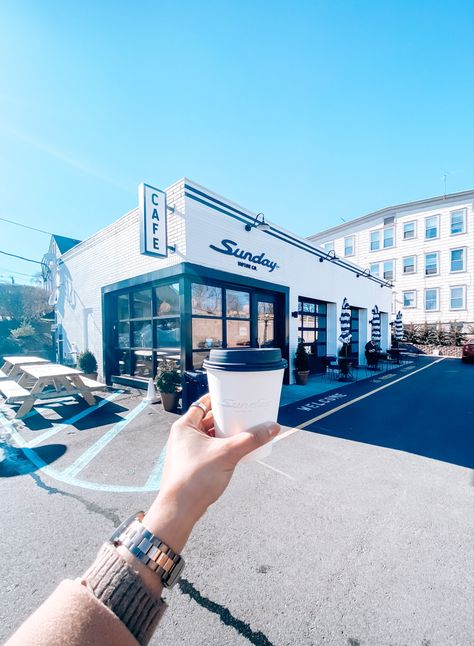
(388, 272)
(328, 246)
(431, 300)
(312, 325)
(374, 240)
(431, 227)
(457, 260)
(349, 246)
(456, 298)
(409, 299)
(409, 230)
(409, 265)
(375, 269)
(458, 222)
(388, 237)
(431, 264)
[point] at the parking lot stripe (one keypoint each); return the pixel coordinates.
(154, 479)
(282, 473)
(358, 399)
(72, 420)
(83, 460)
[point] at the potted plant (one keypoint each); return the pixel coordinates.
(88, 364)
(301, 362)
(168, 382)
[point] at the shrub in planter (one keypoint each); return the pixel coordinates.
(168, 382)
(301, 363)
(88, 364)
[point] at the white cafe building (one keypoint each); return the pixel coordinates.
(188, 270)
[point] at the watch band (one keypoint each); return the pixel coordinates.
(149, 549)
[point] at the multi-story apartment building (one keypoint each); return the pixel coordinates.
(425, 248)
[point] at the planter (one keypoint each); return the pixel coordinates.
(301, 377)
(169, 401)
(91, 375)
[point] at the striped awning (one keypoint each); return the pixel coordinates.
(345, 321)
(375, 323)
(399, 332)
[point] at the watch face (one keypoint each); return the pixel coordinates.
(123, 526)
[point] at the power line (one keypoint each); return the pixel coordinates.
(25, 226)
(37, 262)
(18, 273)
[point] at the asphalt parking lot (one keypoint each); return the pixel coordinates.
(357, 530)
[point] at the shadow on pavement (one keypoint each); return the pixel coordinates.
(14, 462)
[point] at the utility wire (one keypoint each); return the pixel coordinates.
(18, 273)
(25, 226)
(37, 262)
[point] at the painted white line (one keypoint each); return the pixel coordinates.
(369, 394)
(154, 479)
(349, 403)
(72, 420)
(83, 460)
(276, 470)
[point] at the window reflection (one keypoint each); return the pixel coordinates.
(141, 304)
(167, 300)
(167, 332)
(141, 334)
(238, 304)
(238, 333)
(207, 333)
(206, 300)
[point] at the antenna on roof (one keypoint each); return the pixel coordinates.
(445, 180)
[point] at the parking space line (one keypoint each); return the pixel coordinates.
(154, 479)
(349, 403)
(72, 420)
(282, 473)
(88, 455)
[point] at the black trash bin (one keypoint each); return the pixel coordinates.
(194, 386)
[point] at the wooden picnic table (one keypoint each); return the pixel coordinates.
(11, 368)
(65, 381)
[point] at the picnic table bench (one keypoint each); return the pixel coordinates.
(12, 365)
(50, 381)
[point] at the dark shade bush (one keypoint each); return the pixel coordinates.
(87, 362)
(301, 360)
(168, 378)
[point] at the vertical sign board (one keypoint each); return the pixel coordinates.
(153, 229)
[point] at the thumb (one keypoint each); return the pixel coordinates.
(252, 439)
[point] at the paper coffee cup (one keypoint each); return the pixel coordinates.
(245, 388)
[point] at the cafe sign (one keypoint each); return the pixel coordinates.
(152, 208)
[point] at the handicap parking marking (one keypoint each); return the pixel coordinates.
(93, 451)
(8, 425)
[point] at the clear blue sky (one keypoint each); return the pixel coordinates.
(307, 110)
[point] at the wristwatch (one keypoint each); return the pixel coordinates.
(149, 549)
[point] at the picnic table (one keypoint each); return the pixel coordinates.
(11, 368)
(50, 381)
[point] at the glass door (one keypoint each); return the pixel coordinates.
(266, 336)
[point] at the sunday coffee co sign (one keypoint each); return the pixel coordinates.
(247, 258)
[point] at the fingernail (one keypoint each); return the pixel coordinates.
(273, 429)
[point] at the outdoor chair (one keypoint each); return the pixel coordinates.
(332, 367)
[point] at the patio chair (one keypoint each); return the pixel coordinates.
(332, 367)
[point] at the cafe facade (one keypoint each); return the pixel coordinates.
(187, 271)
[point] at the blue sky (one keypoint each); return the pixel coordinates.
(307, 111)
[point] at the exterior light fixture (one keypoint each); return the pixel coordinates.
(261, 226)
(321, 259)
(294, 314)
(332, 255)
(171, 248)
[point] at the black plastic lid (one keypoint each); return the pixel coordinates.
(245, 360)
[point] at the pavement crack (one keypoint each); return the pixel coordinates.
(93, 507)
(227, 618)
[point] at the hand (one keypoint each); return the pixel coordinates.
(198, 467)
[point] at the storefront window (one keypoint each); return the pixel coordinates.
(123, 363)
(354, 330)
(123, 307)
(141, 334)
(123, 340)
(238, 304)
(167, 300)
(143, 360)
(167, 332)
(312, 327)
(206, 300)
(266, 324)
(207, 333)
(238, 334)
(141, 304)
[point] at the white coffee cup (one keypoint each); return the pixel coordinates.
(245, 387)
